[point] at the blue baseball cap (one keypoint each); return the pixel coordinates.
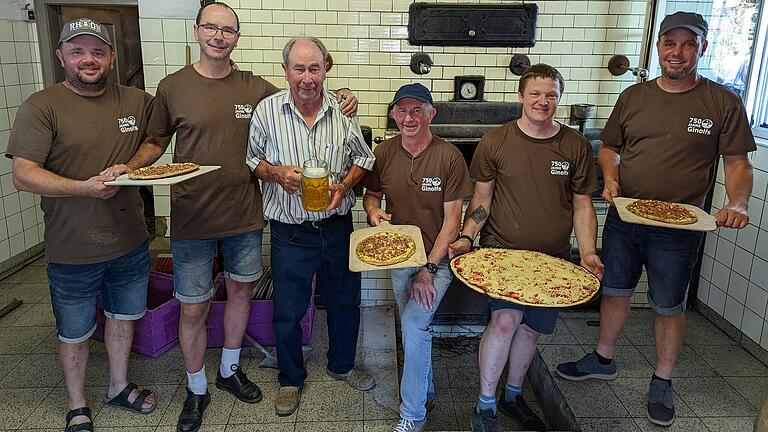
(414, 91)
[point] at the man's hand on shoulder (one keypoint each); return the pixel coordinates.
(347, 102)
(732, 216)
(423, 289)
(593, 263)
(611, 190)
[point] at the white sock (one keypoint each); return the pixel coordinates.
(229, 357)
(197, 383)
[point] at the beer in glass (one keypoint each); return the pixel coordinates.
(314, 185)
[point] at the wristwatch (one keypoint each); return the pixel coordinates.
(432, 268)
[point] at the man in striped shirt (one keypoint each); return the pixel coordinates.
(287, 129)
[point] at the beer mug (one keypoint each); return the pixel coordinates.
(314, 185)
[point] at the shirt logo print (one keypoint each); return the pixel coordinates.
(127, 124)
(699, 126)
(559, 168)
(243, 111)
(431, 184)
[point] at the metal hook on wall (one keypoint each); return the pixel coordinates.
(619, 65)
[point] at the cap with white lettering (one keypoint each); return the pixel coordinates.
(84, 26)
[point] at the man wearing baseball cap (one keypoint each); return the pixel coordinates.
(663, 141)
(425, 180)
(63, 137)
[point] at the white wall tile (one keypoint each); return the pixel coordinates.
(757, 299)
(737, 287)
(759, 273)
(720, 276)
(724, 252)
(734, 311)
(755, 210)
(759, 183)
(747, 237)
(17, 244)
(742, 262)
(728, 234)
(703, 292)
(752, 325)
(716, 299)
(761, 249)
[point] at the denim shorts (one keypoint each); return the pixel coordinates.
(540, 319)
(193, 264)
(668, 255)
(75, 288)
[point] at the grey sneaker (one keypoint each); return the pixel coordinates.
(484, 420)
(409, 426)
(586, 368)
(661, 406)
(356, 378)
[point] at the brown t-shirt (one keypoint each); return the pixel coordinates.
(669, 142)
(210, 118)
(535, 179)
(415, 188)
(76, 137)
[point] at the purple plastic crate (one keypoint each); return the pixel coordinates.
(158, 330)
(259, 322)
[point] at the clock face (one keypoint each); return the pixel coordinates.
(468, 90)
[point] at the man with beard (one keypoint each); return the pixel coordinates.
(208, 106)
(662, 141)
(62, 138)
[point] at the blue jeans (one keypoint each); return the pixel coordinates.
(417, 386)
(668, 255)
(75, 288)
(299, 251)
(193, 264)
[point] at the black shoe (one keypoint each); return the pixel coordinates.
(484, 420)
(239, 385)
(519, 410)
(191, 417)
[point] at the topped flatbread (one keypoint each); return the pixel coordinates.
(662, 211)
(163, 171)
(385, 248)
(525, 277)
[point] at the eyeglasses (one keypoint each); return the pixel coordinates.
(211, 29)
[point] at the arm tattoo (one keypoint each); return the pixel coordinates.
(479, 215)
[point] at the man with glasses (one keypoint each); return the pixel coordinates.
(662, 141)
(287, 129)
(425, 180)
(208, 106)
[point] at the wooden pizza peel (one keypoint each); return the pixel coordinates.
(705, 222)
(124, 180)
(418, 259)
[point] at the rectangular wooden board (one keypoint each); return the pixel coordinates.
(124, 180)
(706, 222)
(418, 259)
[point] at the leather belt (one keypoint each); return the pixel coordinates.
(320, 223)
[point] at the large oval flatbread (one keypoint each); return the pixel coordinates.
(385, 248)
(662, 211)
(163, 171)
(525, 277)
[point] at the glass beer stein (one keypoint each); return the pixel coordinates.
(314, 185)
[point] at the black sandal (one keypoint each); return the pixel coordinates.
(87, 426)
(121, 400)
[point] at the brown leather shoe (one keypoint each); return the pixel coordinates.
(287, 400)
(358, 379)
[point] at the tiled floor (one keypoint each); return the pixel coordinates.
(34, 396)
(718, 385)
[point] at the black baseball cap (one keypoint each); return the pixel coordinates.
(84, 26)
(687, 20)
(414, 91)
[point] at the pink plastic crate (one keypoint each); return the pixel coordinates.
(259, 322)
(158, 330)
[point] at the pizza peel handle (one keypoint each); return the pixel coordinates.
(418, 259)
(706, 222)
